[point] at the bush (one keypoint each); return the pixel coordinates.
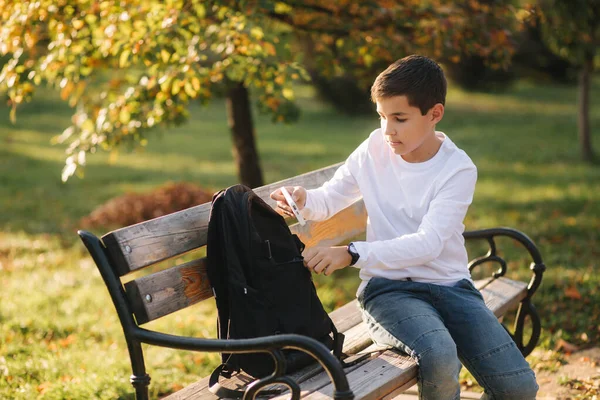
(132, 208)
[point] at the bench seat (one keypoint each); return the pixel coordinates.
(386, 373)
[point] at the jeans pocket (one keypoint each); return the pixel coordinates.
(468, 285)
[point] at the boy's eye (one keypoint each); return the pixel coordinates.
(400, 120)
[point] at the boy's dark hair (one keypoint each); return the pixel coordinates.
(418, 78)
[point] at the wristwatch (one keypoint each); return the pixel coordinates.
(353, 253)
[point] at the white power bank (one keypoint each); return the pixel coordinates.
(293, 205)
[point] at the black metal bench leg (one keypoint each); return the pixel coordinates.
(139, 379)
(525, 309)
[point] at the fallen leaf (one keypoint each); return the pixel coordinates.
(572, 293)
(44, 387)
(566, 347)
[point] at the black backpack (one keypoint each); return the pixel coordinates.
(261, 286)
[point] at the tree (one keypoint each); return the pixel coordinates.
(571, 29)
(127, 67)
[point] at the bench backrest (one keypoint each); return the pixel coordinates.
(139, 246)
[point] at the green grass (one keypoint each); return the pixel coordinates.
(60, 337)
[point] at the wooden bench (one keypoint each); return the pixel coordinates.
(385, 374)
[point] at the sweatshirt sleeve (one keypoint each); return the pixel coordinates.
(337, 193)
(444, 218)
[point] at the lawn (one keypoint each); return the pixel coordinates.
(60, 337)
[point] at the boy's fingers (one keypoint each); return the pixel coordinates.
(308, 254)
(284, 207)
(277, 195)
(296, 195)
(321, 266)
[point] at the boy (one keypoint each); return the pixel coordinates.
(416, 292)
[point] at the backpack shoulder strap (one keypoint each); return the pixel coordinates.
(225, 393)
(216, 274)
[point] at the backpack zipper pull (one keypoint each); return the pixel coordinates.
(245, 290)
(268, 249)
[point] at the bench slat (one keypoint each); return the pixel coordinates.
(374, 379)
(397, 392)
(181, 286)
(140, 245)
(399, 372)
(346, 316)
(318, 381)
(502, 294)
(169, 290)
(343, 226)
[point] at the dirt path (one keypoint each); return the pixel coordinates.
(566, 377)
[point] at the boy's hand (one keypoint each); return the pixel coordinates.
(298, 193)
(326, 259)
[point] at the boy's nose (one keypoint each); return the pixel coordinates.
(389, 131)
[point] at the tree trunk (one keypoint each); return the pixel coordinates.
(242, 131)
(585, 141)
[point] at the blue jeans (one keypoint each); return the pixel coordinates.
(440, 327)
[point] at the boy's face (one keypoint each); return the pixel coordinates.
(407, 132)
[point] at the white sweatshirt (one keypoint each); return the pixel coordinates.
(415, 210)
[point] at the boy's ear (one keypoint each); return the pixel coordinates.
(437, 113)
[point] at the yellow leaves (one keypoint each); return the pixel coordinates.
(87, 125)
(164, 55)
(124, 58)
(288, 94)
(273, 103)
(77, 24)
(31, 39)
(189, 89)
(269, 48)
(165, 83)
(257, 33)
(91, 19)
(66, 90)
(523, 15)
(124, 116)
(200, 10)
(282, 8)
(196, 83)
(176, 87)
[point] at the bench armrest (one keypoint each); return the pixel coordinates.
(537, 265)
(269, 344)
(526, 308)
